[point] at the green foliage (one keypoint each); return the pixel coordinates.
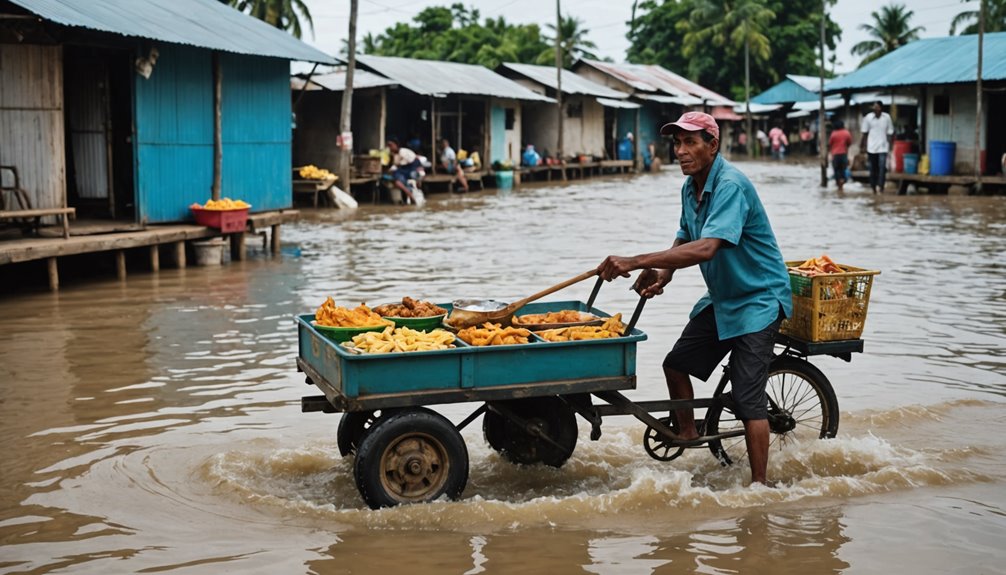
(891, 28)
(283, 14)
(573, 43)
(454, 34)
(967, 21)
(716, 57)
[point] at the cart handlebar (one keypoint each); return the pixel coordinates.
(635, 313)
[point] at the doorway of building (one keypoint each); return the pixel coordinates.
(995, 136)
(99, 132)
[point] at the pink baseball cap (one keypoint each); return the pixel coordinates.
(693, 122)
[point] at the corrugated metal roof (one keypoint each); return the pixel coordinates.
(653, 78)
(785, 92)
(336, 80)
(201, 23)
(810, 83)
(683, 100)
(949, 60)
(571, 83)
(433, 78)
(757, 108)
(609, 103)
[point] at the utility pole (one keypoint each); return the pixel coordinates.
(978, 89)
(747, 88)
(558, 84)
(822, 142)
(345, 163)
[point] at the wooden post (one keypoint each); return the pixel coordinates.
(120, 264)
(344, 166)
(275, 239)
(53, 274)
(180, 255)
(238, 246)
(821, 136)
(155, 258)
(978, 100)
(635, 142)
(433, 135)
(218, 146)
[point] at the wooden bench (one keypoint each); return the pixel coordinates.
(27, 212)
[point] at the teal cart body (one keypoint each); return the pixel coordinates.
(359, 382)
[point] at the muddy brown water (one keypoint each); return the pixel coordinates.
(154, 425)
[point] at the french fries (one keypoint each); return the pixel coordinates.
(331, 315)
(493, 334)
(402, 339)
(612, 327)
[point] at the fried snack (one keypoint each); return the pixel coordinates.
(612, 327)
(224, 204)
(409, 308)
(564, 316)
(493, 334)
(402, 339)
(331, 315)
(312, 172)
(818, 266)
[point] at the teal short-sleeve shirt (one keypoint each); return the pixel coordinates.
(747, 279)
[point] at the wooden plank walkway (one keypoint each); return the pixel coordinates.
(26, 249)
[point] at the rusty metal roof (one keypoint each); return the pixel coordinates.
(654, 78)
(948, 60)
(201, 23)
(439, 79)
(571, 83)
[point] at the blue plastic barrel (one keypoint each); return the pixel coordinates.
(941, 158)
(625, 149)
(504, 180)
(911, 162)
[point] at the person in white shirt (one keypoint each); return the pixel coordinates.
(878, 131)
(405, 166)
(449, 161)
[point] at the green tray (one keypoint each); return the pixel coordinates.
(341, 334)
(418, 323)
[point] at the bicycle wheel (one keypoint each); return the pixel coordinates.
(802, 406)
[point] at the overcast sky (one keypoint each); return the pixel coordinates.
(605, 19)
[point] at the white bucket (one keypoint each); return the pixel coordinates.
(209, 252)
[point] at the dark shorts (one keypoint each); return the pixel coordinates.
(840, 163)
(699, 350)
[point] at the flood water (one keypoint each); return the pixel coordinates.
(154, 425)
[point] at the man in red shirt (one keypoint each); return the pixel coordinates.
(838, 144)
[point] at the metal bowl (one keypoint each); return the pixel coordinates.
(478, 305)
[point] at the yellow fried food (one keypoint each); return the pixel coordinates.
(312, 172)
(564, 316)
(493, 334)
(402, 339)
(223, 204)
(331, 315)
(409, 308)
(816, 266)
(612, 327)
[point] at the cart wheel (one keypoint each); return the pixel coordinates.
(802, 406)
(660, 447)
(352, 426)
(411, 456)
(526, 444)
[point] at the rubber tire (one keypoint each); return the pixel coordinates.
(390, 430)
(781, 365)
(516, 446)
(353, 425)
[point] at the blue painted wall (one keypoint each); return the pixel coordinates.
(174, 133)
(497, 134)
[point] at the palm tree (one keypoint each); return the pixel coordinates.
(734, 24)
(890, 30)
(283, 14)
(995, 18)
(573, 43)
